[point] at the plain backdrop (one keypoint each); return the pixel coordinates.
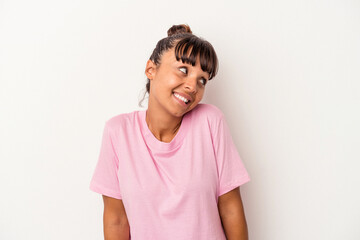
(288, 85)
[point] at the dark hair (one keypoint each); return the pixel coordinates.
(188, 47)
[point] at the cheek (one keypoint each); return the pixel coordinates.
(199, 96)
(167, 80)
(172, 79)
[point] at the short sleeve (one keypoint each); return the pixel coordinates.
(231, 170)
(105, 178)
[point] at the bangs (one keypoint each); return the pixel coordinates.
(189, 49)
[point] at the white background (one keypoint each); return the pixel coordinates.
(288, 85)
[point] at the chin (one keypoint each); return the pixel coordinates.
(192, 107)
(180, 114)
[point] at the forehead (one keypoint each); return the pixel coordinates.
(169, 56)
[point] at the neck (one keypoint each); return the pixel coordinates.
(162, 125)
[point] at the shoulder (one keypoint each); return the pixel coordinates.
(207, 116)
(120, 120)
(207, 110)
(209, 120)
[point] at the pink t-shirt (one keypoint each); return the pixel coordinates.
(170, 190)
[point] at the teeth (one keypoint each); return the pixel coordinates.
(181, 98)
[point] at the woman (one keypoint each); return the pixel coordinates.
(172, 171)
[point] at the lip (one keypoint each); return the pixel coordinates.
(181, 102)
(187, 96)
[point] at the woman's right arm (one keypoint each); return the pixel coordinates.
(116, 225)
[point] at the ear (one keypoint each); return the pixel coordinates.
(150, 69)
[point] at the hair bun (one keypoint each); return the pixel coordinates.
(177, 29)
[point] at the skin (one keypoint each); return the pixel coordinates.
(164, 116)
(232, 215)
(115, 222)
(164, 113)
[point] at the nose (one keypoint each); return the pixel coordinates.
(191, 84)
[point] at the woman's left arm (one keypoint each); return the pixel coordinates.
(232, 215)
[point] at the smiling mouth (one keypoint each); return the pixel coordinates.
(185, 100)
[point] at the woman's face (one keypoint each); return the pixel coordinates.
(172, 78)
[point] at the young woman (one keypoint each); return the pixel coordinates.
(172, 171)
